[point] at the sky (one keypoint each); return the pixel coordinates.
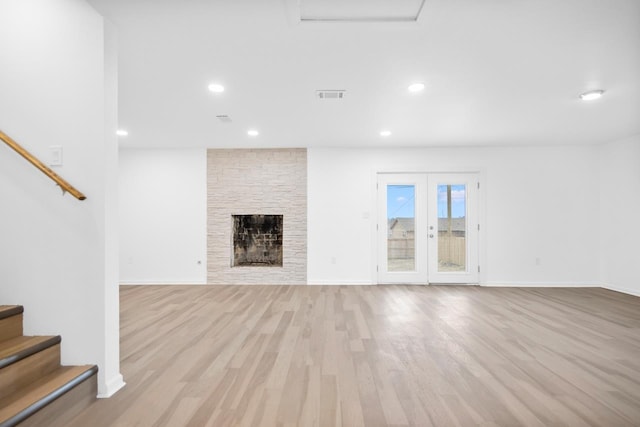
(401, 201)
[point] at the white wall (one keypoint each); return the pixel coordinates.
(57, 88)
(111, 368)
(539, 202)
(549, 203)
(163, 216)
(619, 213)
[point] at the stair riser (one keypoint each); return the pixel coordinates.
(26, 371)
(11, 327)
(62, 410)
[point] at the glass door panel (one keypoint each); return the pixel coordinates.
(452, 227)
(401, 220)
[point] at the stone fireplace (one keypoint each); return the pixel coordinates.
(272, 185)
(257, 240)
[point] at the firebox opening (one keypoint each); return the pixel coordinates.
(257, 240)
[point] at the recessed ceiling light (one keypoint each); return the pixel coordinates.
(385, 133)
(122, 132)
(216, 88)
(591, 95)
(416, 87)
(253, 132)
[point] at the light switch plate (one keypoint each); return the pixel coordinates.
(55, 155)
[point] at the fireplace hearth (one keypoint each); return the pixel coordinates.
(257, 240)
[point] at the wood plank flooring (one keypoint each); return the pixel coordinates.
(375, 356)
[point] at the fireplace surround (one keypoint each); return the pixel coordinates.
(259, 182)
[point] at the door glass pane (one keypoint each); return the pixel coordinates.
(401, 214)
(452, 228)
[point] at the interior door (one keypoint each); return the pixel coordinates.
(402, 213)
(427, 228)
(453, 228)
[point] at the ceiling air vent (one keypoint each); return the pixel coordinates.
(330, 94)
(224, 118)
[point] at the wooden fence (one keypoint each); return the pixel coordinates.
(451, 249)
(401, 248)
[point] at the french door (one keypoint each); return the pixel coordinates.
(427, 228)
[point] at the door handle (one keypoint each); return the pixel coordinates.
(431, 236)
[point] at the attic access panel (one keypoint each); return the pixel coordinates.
(360, 10)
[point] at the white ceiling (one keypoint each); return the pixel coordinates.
(497, 72)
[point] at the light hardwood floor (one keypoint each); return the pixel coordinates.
(375, 356)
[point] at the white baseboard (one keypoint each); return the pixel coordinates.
(542, 284)
(339, 282)
(112, 387)
(513, 284)
(185, 283)
(161, 282)
(634, 292)
(256, 284)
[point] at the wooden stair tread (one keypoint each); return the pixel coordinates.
(40, 393)
(18, 348)
(10, 310)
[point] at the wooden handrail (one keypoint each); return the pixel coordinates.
(66, 187)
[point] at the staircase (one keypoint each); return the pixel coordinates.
(35, 390)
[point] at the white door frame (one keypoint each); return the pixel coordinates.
(474, 256)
